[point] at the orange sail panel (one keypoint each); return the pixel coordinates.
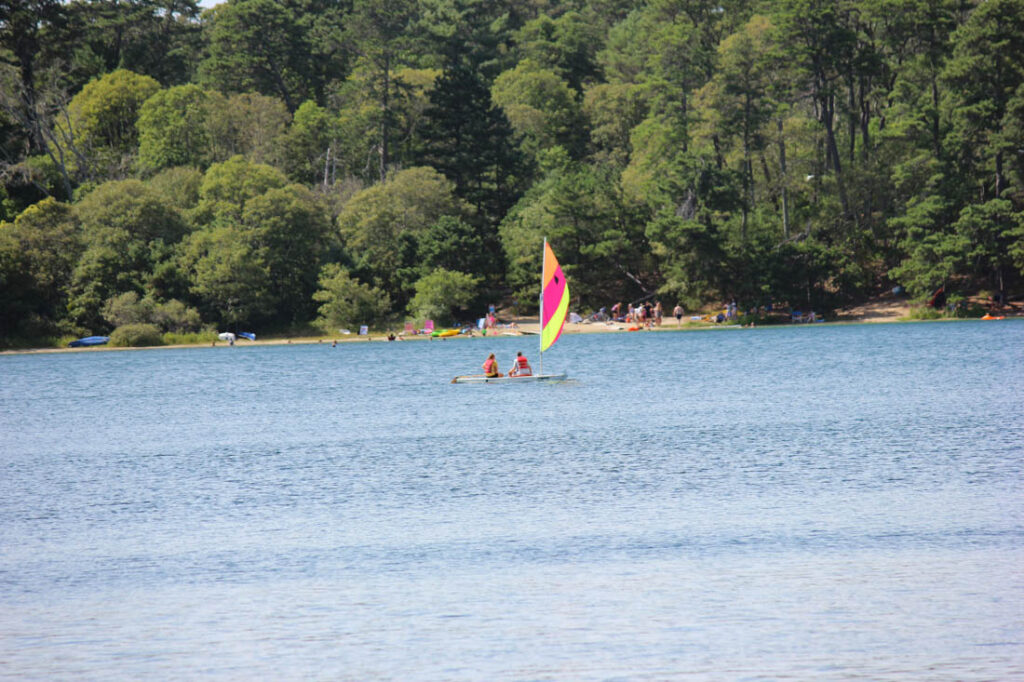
(555, 297)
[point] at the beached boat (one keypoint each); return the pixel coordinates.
(89, 341)
(554, 306)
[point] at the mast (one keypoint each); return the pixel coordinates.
(540, 320)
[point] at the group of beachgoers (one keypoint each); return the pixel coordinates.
(648, 315)
(520, 367)
(643, 315)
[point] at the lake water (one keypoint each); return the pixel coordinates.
(811, 503)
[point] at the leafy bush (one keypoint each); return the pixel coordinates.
(924, 312)
(126, 309)
(188, 338)
(131, 335)
(172, 316)
(347, 301)
(441, 293)
(175, 316)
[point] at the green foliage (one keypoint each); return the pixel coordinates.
(453, 244)
(347, 302)
(442, 294)
(255, 45)
(598, 239)
(189, 338)
(104, 112)
(380, 226)
(172, 129)
(172, 316)
(135, 335)
(305, 146)
(125, 226)
(541, 108)
(158, 39)
(800, 152)
(246, 124)
(228, 275)
(567, 45)
(291, 232)
(179, 186)
(227, 186)
(38, 253)
(469, 139)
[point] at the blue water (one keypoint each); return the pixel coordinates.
(812, 503)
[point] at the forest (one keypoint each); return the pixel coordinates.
(282, 164)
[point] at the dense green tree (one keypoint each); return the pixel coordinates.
(599, 240)
(308, 149)
(170, 316)
(157, 38)
(228, 276)
(102, 122)
(347, 302)
(469, 139)
(227, 186)
(258, 45)
(26, 40)
(172, 129)
(38, 252)
(541, 108)
(125, 226)
(246, 124)
(380, 226)
(442, 295)
(293, 234)
(612, 111)
(179, 186)
(356, 149)
(984, 76)
(379, 32)
(453, 244)
(567, 44)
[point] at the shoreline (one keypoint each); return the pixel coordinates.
(872, 313)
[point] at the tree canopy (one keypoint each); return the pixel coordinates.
(339, 162)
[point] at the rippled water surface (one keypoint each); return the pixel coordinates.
(813, 503)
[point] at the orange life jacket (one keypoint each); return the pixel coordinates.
(489, 366)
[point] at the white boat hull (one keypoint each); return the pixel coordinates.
(481, 379)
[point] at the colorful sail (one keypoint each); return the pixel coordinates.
(554, 299)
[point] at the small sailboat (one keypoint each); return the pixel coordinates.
(554, 305)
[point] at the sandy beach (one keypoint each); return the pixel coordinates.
(881, 310)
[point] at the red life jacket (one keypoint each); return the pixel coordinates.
(489, 366)
(522, 362)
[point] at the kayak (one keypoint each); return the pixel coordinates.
(481, 379)
(992, 317)
(445, 332)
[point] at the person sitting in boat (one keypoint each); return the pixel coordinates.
(491, 367)
(521, 367)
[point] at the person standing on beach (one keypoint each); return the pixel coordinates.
(659, 313)
(678, 312)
